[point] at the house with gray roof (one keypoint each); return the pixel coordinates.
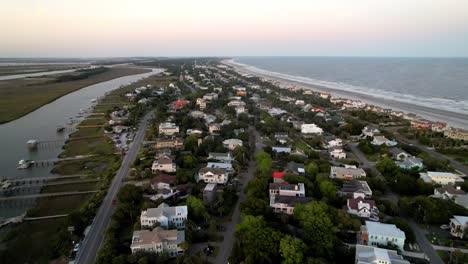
(164, 216)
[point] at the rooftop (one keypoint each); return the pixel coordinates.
(386, 230)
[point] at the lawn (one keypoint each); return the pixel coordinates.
(20, 96)
(58, 205)
(26, 241)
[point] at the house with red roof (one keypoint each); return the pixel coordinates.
(179, 104)
(278, 177)
(363, 208)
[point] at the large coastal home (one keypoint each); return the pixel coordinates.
(311, 129)
(363, 208)
(375, 255)
(370, 131)
(163, 163)
(448, 192)
(379, 234)
(456, 134)
(286, 204)
(232, 143)
(168, 129)
(213, 175)
(442, 178)
(296, 190)
(410, 163)
(159, 241)
(381, 140)
(164, 216)
(347, 173)
(222, 157)
(458, 224)
(337, 153)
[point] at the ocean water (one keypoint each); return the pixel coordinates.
(440, 83)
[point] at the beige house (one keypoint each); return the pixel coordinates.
(347, 173)
(232, 143)
(213, 175)
(163, 163)
(169, 143)
(158, 240)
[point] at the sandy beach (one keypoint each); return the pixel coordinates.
(453, 119)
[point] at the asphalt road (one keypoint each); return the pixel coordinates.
(226, 246)
(93, 241)
(425, 245)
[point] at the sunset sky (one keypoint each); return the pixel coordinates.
(88, 28)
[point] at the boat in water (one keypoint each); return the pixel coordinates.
(24, 164)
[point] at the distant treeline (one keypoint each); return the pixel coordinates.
(84, 74)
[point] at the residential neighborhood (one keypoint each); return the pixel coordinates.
(235, 167)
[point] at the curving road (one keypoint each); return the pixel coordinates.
(93, 241)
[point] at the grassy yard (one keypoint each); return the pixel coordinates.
(58, 205)
(20, 96)
(28, 239)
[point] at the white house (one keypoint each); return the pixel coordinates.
(201, 103)
(163, 163)
(337, 153)
(448, 192)
(168, 129)
(457, 225)
(222, 165)
(165, 216)
(232, 143)
(442, 178)
(311, 129)
(370, 131)
(236, 103)
(240, 110)
(375, 234)
(210, 96)
(286, 204)
(276, 111)
(363, 208)
(337, 142)
(213, 175)
(375, 255)
(214, 127)
(158, 241)
(282, 189)
(381, 140)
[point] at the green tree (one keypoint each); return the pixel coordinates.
(311, 170)
(320, 232)
(259, 242)
(292, 250)
(328, 190)
(196, 208)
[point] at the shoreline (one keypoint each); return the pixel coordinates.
(452, 119)
(54, 98)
